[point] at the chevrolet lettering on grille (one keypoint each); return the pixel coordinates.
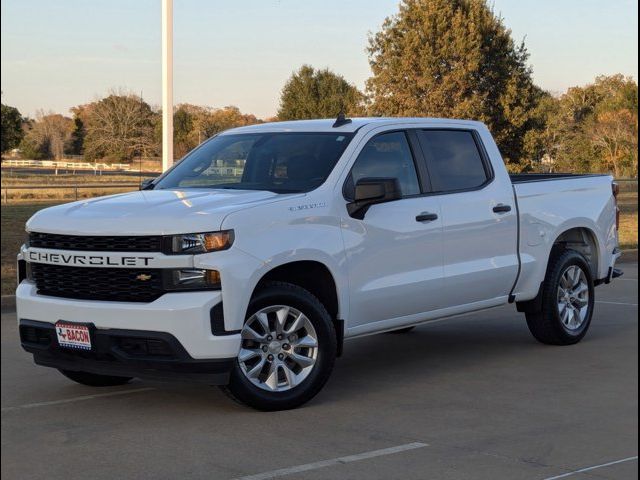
(94, 260)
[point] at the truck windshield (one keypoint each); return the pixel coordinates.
(279, 162)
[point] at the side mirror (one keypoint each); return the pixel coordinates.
(147, 184)
(370, 191)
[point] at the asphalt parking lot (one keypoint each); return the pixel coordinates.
(473, 397)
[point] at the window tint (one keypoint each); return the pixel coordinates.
(453, 160)
(387, 156)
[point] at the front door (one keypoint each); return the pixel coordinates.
(394, 253)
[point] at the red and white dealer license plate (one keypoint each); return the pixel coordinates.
(72, 335)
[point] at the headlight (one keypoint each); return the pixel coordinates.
(192, 279)
(195, 243)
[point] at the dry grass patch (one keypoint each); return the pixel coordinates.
(61, 194)
(628, 233)
(101, 185)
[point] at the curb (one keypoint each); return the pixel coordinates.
(8, 302)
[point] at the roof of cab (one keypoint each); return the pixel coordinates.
(326, 125)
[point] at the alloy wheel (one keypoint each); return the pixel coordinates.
(573, 297)
(279, 348)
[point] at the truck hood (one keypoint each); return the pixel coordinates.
(149, 212)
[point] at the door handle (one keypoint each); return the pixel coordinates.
(426, 217)
(502, 208)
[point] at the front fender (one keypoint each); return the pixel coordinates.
(275, 235)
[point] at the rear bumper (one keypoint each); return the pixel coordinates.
(122, 352)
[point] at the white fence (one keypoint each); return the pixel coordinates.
(124, 167)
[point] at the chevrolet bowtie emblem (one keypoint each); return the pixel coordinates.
(143, 277)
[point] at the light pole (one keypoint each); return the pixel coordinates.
(167, 84)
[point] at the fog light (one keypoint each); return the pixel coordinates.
(192, 279)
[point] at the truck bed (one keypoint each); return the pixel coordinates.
(548, 207)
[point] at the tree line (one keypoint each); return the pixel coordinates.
(117, 128)
(440, 58)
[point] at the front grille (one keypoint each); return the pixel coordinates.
(113, 284)
(96, 243)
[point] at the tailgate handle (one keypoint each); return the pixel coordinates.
(502, 208)
(426, 217)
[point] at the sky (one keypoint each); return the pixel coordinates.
(58, 54)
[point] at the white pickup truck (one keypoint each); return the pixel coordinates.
(250, 261)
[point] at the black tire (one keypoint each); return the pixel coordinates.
(545, 324)
(402, 330)
(243, 391)
(95, 380)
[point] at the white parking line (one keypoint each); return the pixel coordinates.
(75, 399)
(617, 303)
(587, 469)
(334, 461)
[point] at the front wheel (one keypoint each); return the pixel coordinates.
(287, 352)
(567, 301)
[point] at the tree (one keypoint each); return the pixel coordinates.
(454, 58)
(12, 132)
(593, 128)
(80, 114)
(193, 124)
(48, 136)
(221, 119)
(615, 135)
(311, 93)
(182, 131)
(119, 127)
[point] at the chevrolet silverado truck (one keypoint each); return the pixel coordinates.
(250, 261)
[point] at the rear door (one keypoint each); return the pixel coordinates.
(478, 214)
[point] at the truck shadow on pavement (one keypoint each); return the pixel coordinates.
(475, 349)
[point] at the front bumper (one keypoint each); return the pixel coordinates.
(186, 316)
(126, 353)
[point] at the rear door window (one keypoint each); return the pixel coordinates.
(453, 160)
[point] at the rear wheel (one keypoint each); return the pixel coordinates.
(567, 301)
(95, 380)
(287, 352)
